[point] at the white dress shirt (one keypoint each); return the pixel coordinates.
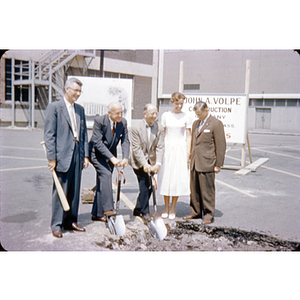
(71, 111)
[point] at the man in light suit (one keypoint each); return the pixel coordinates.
(108, 130)
(207, 157)
(146, 156)
(66, 140)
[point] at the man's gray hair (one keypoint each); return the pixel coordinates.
(147, 106)
(200, 104)
(71, 81)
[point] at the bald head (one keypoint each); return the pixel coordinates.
(115, 111)
(114, 105)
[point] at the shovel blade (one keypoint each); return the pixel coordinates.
(152, 229)
(158, 229)
(119, 225)
(110, 224)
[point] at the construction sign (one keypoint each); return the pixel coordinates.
(230, 109)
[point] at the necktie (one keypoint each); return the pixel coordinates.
(74, 124)
(201, 124)
(113, 128)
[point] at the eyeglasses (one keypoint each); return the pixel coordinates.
(76, 91)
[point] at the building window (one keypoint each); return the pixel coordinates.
(117, 75)
(274, 102)
(280, 102)
(257, 102)
(292, 102)
(21, 69)
(22, 93)
(126, 76)
(191, 87)
(269, 102)
(164, 101)
(7, 79)
(21, 72)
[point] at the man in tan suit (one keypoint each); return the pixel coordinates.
(146, 155)
(207, 157)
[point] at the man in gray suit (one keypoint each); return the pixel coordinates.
(108, 130)
(66, 140)
(207, 157)
(146, 156)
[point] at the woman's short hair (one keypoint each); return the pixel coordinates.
(177, 96)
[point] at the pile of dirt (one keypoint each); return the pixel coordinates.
(190, 236)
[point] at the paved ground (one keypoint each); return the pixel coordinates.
(266, 201)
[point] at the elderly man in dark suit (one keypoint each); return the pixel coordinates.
(207, 157)
(66, 140)
(108, 130)
(146, 156)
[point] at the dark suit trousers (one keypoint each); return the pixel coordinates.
(145, 184)
(70, 182)
(103, 200)
(202, 194)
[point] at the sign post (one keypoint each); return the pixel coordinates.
(181, 66)
(247, 86)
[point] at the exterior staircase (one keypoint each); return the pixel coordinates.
(46, 77)
(47, 69)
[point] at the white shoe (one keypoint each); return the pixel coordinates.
(172, 216)
(164, 215)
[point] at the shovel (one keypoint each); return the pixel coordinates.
(116, 224)
(156, 226)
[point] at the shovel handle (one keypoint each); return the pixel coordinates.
(154, 187)
(120, 173)
(118, 183)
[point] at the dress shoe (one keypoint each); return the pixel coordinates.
(110, 213)
(207, 221)
(137, 213)
(172, 216)
(190, 217)
(75, 227)
(57, 233)
(164, 215)
(102, 219)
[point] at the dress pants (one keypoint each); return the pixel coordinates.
(103, 200)
(70, 182)
(202, 201)
(145, 186)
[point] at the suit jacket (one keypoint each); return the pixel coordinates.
(141, 151)
(208, 145)
(59, 137)
(104, 144)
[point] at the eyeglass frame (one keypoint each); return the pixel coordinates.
(81, 92)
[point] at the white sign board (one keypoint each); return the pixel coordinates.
(99, 92)
(230, 109)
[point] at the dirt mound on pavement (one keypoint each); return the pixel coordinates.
(190, 236)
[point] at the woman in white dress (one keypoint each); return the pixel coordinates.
(174, 177)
